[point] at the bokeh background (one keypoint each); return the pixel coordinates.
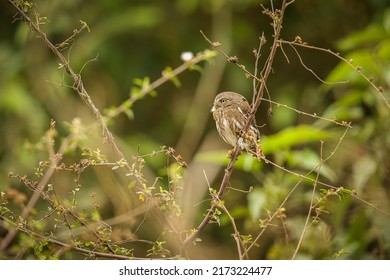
(130, 40)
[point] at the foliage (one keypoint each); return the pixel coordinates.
(91, 115)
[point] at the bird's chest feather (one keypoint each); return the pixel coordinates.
(230, 125)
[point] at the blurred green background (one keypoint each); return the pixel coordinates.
(136, 39)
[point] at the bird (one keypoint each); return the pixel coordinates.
(230, 111)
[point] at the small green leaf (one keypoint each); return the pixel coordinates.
(169, 74)
(309, 160)
(245, 161)
(129, 113)
(132, 185)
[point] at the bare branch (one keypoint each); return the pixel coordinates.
(311, 207)
(358, 69)
(311, 71)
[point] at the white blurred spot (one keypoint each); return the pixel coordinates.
(186, 56)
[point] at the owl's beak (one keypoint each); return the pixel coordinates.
(215, 107)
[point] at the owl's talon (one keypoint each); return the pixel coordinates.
(259, 152)
(231, 153)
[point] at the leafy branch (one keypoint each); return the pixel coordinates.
(298, 42)
(145, 87)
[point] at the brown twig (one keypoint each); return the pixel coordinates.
(302, 177)
(231, 59)
(84, 251)
(312, 115)
(164, 78)
(236, 235)
(378, 89)
(55, 159)
(311, 207)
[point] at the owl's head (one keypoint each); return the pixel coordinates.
(227, 99)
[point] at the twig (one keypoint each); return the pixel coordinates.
(164, 78)
(311, 207)
(232, 59)
(76, 32)
(89, 253)
(236, 235)
(256, 82)
(333, 120)
(302, 177)
(55, 159)
(311, 70)
(358, 69)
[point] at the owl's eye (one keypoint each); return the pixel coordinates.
(223, 100)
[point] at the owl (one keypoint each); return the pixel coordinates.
(230, 111)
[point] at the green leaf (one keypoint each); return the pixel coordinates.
(344, 72)
(372, 34)
(293, 136)
(132, 185)
(139, 82)
(309, 160)
(129, 113)
(349, 107)
(245, 161)
(168, 73)
(363, 169)
(256, 203)
(237, 213)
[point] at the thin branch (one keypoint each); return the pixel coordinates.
(311, 70)
(311, 207)
(256, 82)
(55, 160)
(302, 177)
(236, 235)
(349, 62)
(314, 115)
(89, 253)
(76, 32)
(164, 78)
(232, 59)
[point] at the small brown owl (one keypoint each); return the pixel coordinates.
(230, 111)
